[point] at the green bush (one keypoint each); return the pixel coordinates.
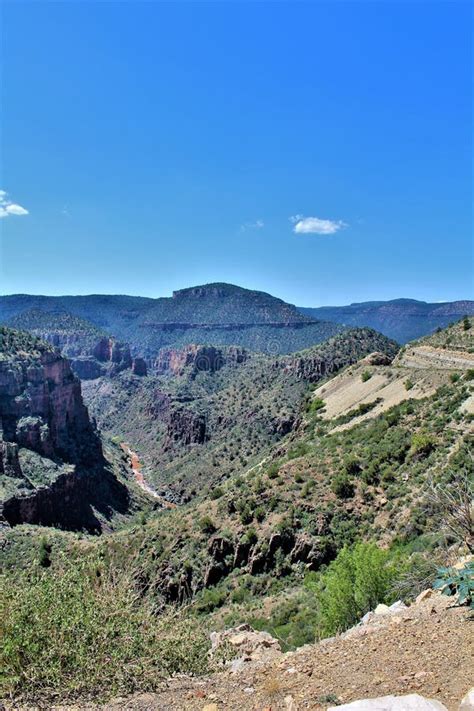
(452, 581)
(207, 525)
(216, 493)
(342, 486)
(358, 580)
(76, 629)
(366, 375)
(422, 443)
(316, 405)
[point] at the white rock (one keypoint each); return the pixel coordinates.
(412, 702)
(398, 606)
(467, 704)
(382, 609)
(290, 703)
(424, 595)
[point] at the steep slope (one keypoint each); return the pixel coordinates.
(401, 319)
(207, 412)
(91, 352)
(217, 314)
(52, 469)
(374, 385)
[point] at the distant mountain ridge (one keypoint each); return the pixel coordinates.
(222, 314)
(215, 314)
(401, 319)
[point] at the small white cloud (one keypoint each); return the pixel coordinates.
(315, 225)
(257, 225)
(7, 207)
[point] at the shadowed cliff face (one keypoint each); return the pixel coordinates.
(41, 408)
(51, 461)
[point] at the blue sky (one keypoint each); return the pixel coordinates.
(318, 151)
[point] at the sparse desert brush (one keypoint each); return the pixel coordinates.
(272, 686)
(78, 629)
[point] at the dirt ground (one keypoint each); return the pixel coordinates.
(427, 649)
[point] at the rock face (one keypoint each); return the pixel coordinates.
(139, 367)
(185, 427)
(51, 461)
(197, 358)
(41, 408)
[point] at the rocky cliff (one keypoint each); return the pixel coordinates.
(91, 352)
(197, 358)
(51, 456)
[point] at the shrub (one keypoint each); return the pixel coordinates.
(44, 559)
(217, 492)
(250, 536)
(469, 374)
(355, 582)
(366, 375)
(466, 324)
(79, 630)
(260, 513)
(206, 525)
(454, 377)
(246, 515)
(342, 486)
(422, 443)
(316, 405)
(451, 581)
(273, 470)
(408, 384)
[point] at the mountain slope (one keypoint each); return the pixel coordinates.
(401, 319)
(208, 412)
(217, 314)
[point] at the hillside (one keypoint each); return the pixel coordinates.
(298, 532)
(401, 319)
(217, 314)
(91, 352)
(205, 413)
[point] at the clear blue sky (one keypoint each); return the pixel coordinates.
(161, 145)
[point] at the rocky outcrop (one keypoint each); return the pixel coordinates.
(314, 364)
(247, 644)
(197, 358)
(139, 367)
(63, 478)
(41, 408)
(185, 427)
(377, 358)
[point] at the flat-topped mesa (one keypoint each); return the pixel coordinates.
(197, 358)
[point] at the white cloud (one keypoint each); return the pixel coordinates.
(7, 207)
(257, 225)
(315, 225)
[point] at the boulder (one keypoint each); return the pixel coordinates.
(411, 702)
(248, 644)
(467, 704)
